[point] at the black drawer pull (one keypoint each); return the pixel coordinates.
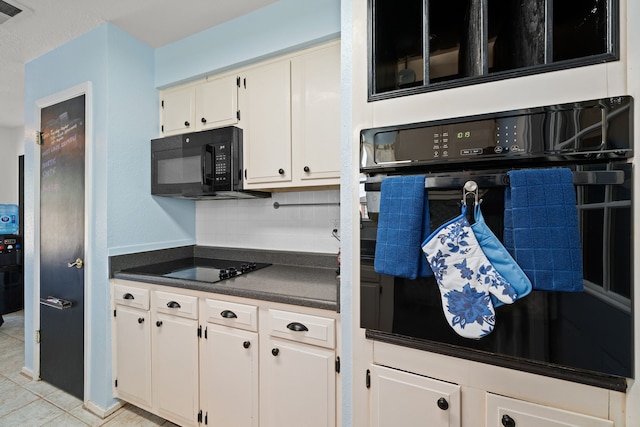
(298, 327)
(246, 344)
(507, 421)
(159, 323)
(173, 304)
(140, 319)
(228, 314)
(443, 404)
(127, 296)
(275, 351)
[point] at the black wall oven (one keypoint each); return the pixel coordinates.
(586, 336)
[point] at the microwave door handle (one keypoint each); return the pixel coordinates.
(206, 159)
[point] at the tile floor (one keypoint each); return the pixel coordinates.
(26, 403)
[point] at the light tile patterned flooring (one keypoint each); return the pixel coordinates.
(26, 403)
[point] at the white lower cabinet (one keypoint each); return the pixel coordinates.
(229, 365)
(507, 412)
(400, 398)
(198, 361)
(174, 358)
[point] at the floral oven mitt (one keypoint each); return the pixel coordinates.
(465, 278)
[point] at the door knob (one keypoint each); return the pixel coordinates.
(78, 263)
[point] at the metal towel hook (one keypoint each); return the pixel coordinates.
(470, 188)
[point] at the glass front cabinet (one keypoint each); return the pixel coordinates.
(421, 45)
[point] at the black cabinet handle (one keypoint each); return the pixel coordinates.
(228, 314)
(128, 296)
(173, 304)
(298, 327)
(187, 124)
(140, 319)
(246, 344)
(275, 351)
(507, 421)
(281, 171)
(443, 404)
(306, 169)
(159, 323)
(203, 120)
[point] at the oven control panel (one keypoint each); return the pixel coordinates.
(591, 127)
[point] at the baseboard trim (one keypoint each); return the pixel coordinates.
(28, 373)
(101, 412)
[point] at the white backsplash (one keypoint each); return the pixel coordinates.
(256, 224)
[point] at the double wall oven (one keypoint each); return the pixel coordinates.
(585, 336)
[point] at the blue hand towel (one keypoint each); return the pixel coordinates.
(541, 228)
(403, 223)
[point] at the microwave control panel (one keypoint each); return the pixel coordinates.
(221, 164)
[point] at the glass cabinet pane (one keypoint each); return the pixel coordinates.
(398, 44)
(579, 28)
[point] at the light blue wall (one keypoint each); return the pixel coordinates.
(123, 213)
(283, 26)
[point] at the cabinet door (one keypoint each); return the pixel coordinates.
(229, 376)
(133, 355)
(504, 411)
(175, 368)
(399, 398)
(299, 385)
(265, 117)
(178, 111)
(315, 112)
(217, 103)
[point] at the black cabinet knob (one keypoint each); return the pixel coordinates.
(306, 169)
(187, 124)
(246, 344)
(275, 351)
(203, 120)
(140, 319)
(507, 421)
(159, 323)
(443, 404)
(281, 171)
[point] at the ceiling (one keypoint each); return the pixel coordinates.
(43, 25)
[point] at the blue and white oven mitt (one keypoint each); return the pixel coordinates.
(466, 278)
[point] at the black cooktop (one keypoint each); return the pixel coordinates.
(199, 269)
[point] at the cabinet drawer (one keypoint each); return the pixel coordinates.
(501, 410)
(303, 328)
(230, 314)
(176, 304)
(131, 296)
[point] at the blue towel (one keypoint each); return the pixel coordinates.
(403, 224)
(541, 228)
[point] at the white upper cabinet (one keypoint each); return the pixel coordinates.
(265, 117)
(217, 103)
(177, 110)
(315, 112)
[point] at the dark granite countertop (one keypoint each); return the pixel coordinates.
(306, 280)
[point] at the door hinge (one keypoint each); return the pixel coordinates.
(245, 82)
(37, 336)
(162, 103)
(39, 138)
(206, 418)
(162, 128)
(368, 381)
(199, 331)
(114, 312)
(116, 383)
(200, 416)
(238, 81)
(338, 364)
(238, 115)
(205, 333)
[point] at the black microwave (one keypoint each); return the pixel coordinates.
(200, 165)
